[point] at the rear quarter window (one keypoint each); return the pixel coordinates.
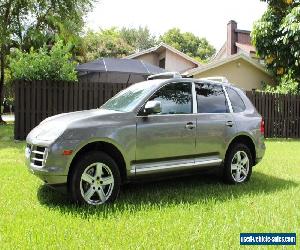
(236, 101)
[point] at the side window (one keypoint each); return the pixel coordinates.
(210, 98)
(175, 98)
(236, 101)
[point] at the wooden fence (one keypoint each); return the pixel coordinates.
(37, 100)
(281, 113)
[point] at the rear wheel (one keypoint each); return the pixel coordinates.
(95, 179)
(238, 164)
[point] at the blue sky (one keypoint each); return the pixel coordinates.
(203, 18)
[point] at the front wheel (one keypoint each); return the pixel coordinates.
(238, 164)
(95, 179)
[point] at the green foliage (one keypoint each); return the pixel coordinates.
(27, 24)
(32, 23)
(188, 43)
(113, 42)
(276, 37)
(43, 64)
(287, 85)
(104, 43)
(139, 39)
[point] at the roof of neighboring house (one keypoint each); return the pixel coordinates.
(217, 63)
(119, 65)
(243, 31)
(246, 47)
(158, 48)
(222, 50)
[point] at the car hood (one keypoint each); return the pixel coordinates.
(67, 118)
(62, 121)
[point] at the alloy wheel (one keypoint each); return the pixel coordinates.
(96, 183)
(240, 166)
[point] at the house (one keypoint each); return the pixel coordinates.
(167, 57)
(237, 61)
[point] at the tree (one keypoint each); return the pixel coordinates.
(104, 43)
(43, 64)
(139, 39)
(188, 43)
(32, 23)
(286, 85)
(276, 37)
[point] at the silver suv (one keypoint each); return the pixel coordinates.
(158, 127)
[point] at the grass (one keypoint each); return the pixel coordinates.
(197, 212)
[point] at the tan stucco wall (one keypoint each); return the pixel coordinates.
(174, 62)
(151, 58)
(240, 73)
(161, 55)
(177, 63)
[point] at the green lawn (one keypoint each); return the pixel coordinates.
(196, 212)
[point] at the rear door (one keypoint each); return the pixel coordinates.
(215, 123)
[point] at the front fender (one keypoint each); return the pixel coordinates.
(85, 143)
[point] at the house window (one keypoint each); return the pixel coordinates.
(162, 63)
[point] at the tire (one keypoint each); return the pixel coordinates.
(95, 179)
(238, 164)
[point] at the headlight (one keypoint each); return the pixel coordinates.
(51, 134)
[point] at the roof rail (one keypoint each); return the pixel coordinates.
(165, 75)
(221, 79)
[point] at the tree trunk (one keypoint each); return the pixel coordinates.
(2, 60)
(5, 24)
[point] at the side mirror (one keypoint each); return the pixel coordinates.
(153, 107)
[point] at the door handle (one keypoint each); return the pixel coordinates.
(190, 125)
(229, 123)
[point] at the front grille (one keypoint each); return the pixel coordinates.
(38, 155)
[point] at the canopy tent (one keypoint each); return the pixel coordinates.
(115, 70)
(120, 65)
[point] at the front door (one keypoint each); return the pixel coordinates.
(169, 135)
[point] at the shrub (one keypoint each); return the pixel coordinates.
(287, 85)
(43, 64)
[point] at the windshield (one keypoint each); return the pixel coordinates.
(128, 98)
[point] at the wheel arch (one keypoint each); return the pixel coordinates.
(245, 139)
(104, 146)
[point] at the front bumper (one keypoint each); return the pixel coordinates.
(46, 173)
(47, 161)
(50, 179)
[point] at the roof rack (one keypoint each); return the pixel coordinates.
(165, 75)
(221, 79)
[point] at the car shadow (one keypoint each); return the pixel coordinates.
(183, 190)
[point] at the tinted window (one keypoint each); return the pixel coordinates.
(236, 101)
(175, 98)
(210, 98)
